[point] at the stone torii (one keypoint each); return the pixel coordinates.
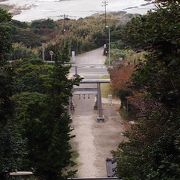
(98, 90)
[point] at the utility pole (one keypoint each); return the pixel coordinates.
(43, 51)
(64, 17)
(99, 103)
(109, 51)
(105, 3)
(64, 22)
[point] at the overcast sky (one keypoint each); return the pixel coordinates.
(39, 9)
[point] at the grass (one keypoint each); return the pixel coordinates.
(106, 88)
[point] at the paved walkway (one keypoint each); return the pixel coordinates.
(90, 65)
(94, 141)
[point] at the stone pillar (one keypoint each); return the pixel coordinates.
(99, 102)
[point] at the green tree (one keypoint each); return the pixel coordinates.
(31, 75)
(5, 34)
(11, 144)
(58, 149)
(42, 110)
(153, 149)
(19, 51)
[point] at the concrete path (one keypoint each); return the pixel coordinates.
(90, 65)
(95, 141)
(91, 57)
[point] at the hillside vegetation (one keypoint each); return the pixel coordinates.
(34, 96)
(150, 93)
(82, 35)
(144, 67)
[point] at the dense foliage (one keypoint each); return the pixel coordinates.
(82, 34)
(10, 145)
(34, 97)
(34, 34)
(42, 110)
(153, 149)
(5, 34)
(34, 120)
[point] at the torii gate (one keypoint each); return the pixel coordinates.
(90, 81)
(94, 90)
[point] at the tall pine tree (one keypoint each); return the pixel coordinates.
(48, 129)
(10, 139)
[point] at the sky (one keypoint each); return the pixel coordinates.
(40, 9)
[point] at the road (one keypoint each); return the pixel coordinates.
(90, 65)
(91, 57)
(94, 141)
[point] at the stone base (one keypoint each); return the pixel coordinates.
(100, 119)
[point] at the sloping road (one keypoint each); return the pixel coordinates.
(90, 65)
(94, 141)
(91, 57)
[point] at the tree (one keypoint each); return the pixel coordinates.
(11, 144)
(19, 51)
(5, 34)
(42, 110)
(5, 72)
(158, 34)
(57, 126)
(153, 149)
